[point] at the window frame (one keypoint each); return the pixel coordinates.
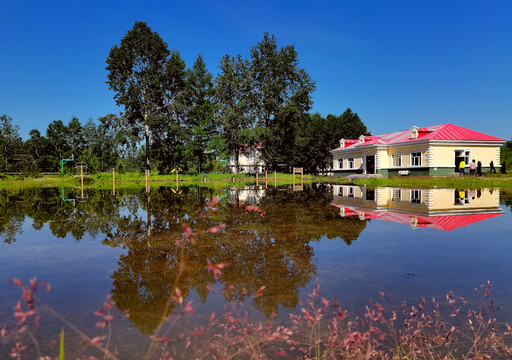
(351, 163)
(416, 155)
(415, 196)
(396, 160)
(396, 195)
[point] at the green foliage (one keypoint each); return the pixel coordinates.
(346, 126)
(178, 117)
(233, 89)
(201, 108)
(137, 74)
(506, 156)
(281, 95)
(10, 145)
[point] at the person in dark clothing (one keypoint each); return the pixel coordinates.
(503, 168)
(492, 167)
(479, 168)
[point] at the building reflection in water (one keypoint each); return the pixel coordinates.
(441, 209)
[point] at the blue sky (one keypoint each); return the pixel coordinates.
(395, 63)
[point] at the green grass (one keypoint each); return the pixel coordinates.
(468, 182)
(104, 180)
(134, 180)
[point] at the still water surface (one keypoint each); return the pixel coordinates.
(356, 241)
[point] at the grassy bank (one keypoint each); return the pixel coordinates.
(468, 182)
(104, 180)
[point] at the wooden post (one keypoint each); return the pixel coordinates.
(265, 175)
(176, 178)
(82, 177)
(114, 181)
(256, 179)
(275, 178)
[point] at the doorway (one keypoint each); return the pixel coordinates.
(461, 155)
(370, 164)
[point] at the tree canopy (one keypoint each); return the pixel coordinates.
(174, 116)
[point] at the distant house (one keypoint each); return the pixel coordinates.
(432, 150)
(249, 160)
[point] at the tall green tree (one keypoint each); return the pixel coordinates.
(101, 152)
(42, 150)
(170, 134)
(201, 113)
(124, 141)
(233, 91)
(281, 92)
(311, 150)
(10, 143)
(136, 73)
(345, 126)
(57, 134)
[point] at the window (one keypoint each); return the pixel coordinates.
(232, 158)
(461, 197)
(416, 159)
(350, 191)
(396, 195)
(463, 155)
(396, 160)
(350, 163)
(340, 191)
(415, 197)
(340, 163)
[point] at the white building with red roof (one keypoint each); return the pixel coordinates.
(249, 160)
(432, 150)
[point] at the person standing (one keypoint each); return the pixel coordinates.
(491, 164)
(479, 168)
(462, 165)
(472, 167)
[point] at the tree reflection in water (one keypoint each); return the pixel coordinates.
(265, 243)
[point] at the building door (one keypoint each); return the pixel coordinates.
(370, 164)
(459, 156)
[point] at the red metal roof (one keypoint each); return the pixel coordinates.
(444, 222)
(447, 132)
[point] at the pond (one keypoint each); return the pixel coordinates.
(139, 245)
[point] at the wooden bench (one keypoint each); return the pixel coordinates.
(404, 173)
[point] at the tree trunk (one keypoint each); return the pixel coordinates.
(237, 159)
(147, 149)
